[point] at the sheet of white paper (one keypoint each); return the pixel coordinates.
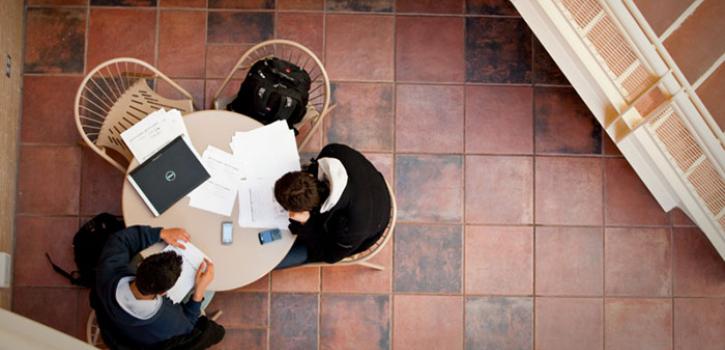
(217, 194)
(152, 133)
(193, 257)
(268, 153)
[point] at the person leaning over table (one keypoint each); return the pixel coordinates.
(338, 206)
(130, 306)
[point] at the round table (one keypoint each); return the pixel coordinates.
(245, 260)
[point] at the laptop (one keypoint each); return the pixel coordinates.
(167, 176)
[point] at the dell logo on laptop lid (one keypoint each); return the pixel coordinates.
(170, 176)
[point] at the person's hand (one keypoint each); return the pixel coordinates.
(204, 276)
(175, 236)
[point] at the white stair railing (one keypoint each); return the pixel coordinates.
(639, 95)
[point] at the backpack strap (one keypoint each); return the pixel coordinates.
(73, 276)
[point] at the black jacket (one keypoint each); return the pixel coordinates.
(358, 218)
(169, 321)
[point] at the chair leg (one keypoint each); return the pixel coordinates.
(371, 265)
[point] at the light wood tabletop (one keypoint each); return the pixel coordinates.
(245, 260)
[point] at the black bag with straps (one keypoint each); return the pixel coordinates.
(88, 243)
(274, 89)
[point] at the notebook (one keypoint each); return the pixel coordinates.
(168, 175)
(192, 259)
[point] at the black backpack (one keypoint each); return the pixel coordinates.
(88, 243)
(273, 90)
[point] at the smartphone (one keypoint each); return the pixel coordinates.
(227, 229)
(268, 236)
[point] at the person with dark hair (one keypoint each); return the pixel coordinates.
(338, 206)
(129, 305)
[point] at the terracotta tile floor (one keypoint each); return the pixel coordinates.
(520, 225)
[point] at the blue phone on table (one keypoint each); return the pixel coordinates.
(270, 235)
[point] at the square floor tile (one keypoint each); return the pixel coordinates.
(491, 7)
(564, 123)
(428, 258)
(182, 3)
(638, 324)
(211, 87)
(247, 339)
(568, 191)
(123, 2)
(699, 324)
(351, 56)
(82, 313)
(54, 40)
(117, 32)
(429, 6)
(363, 118)
(242, 4)
(37, 195)
(383, 162)
(499, 260)
(679, 218)
(498, 50)
(499, 323)
(499, 190)
(241, 310)
(578, 272)
(429, 118)
(361, 279)
(293, 321)
(608, 146)
(239, 27)
(304, 28)
(545, 69)
(260, 285)
(569, 324)
(499, 119)
(427, 322)
(35, 236)
(698, 269)
(638, 262)
(101, 185)
(48, 109)
(361, 5)
(301, 5)
(429, 49)
(628, 201)
(182, 43)
(438, 179)
(305, 279)
(53, 307)
(355, 322)
(220, 60)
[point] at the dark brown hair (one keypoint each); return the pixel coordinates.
(299, 191)
(158, 273)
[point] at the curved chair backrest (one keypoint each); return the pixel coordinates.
(361, 258)
(114, 96)
(319, 102)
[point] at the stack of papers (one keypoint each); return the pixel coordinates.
(152, 133)
(259, 158)
(193, 257)
(268, 152)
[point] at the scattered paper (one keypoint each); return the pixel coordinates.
(268, 152)
(217, 194)
(193, 257)
(152, 133)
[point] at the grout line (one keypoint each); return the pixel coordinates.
(533, 199)
(603, 233)
(391, 330)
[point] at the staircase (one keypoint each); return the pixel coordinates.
(630, 82)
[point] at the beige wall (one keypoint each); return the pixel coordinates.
(11, 38)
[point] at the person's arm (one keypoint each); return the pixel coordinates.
(125, 244)
(330, 246)
(204, 276)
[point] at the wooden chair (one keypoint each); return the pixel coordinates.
(114, 96)
(363, 257)
(93, 332)
(319, 102)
